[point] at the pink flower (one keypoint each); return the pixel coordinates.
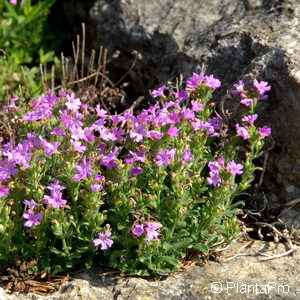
(242, 131)
(265, 131)
(136, 170)
(55, 199)
(78, 146)
(73, 103)
(49, 148)
(164, 158)
(96, 187)
(214, 179)
(83, 170)
(182, 95)
(101, 113)
(187, 155)
(212, 82)
(58, 131)
(151, 230)
(262, 86)
(138, 229)
(139, 156)
(239, 88)
(250, 119)
(159, 92)
(138, 133)
(4, 191)
(196, 106)
(194, 81)
(173, 131)
(32, 219)
(31, 204)
(234, 168)
(247, 102)
(103, 240)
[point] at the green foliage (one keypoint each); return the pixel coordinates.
(22, 40)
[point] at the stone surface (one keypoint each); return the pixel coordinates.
(232, 39)
(239, 278)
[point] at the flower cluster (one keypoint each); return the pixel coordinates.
(149, 229)
(82, 167)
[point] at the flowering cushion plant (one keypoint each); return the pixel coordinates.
(135, 191)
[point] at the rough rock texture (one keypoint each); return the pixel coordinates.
(232, 39)
(243, 277)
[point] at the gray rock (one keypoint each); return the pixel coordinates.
(231, 39)
(239, 278)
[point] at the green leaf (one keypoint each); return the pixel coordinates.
(201, 247)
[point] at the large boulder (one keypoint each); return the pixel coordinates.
(231, 39)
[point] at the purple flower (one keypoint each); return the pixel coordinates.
(4, 191)
(239, 88)
(173, 118)
(262, 86)
(197, 124)
(159, 92)
(110, 160)
(83, 170)
(99, 178)
(36, 115)
(234, 168)
(265, 131)
(187, 155)
(212, 82)
(103, 240)
(151, 230)
(163, 158)
(214, 166)
(194, 81)
(139, 132)
(77, 132)
(221, 161)
(72, 103)
(250, 119)
(136, 170)
(116, 119)
(31, 204)
(139, 156)
(101, 113)
(49, 148)
(182, 95)
(58, 131)
(107, 135)
(20, 155)
(78, 146)
(247, 102)
(138, 229)
(214, 178)
(242, 131)
(188, 114)
(173, 131)
(96, 187)
(32, 219)
(55, 198)
(4, 176)
(7, 168)
(55, 187)
(155, 134)
(12, 104)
